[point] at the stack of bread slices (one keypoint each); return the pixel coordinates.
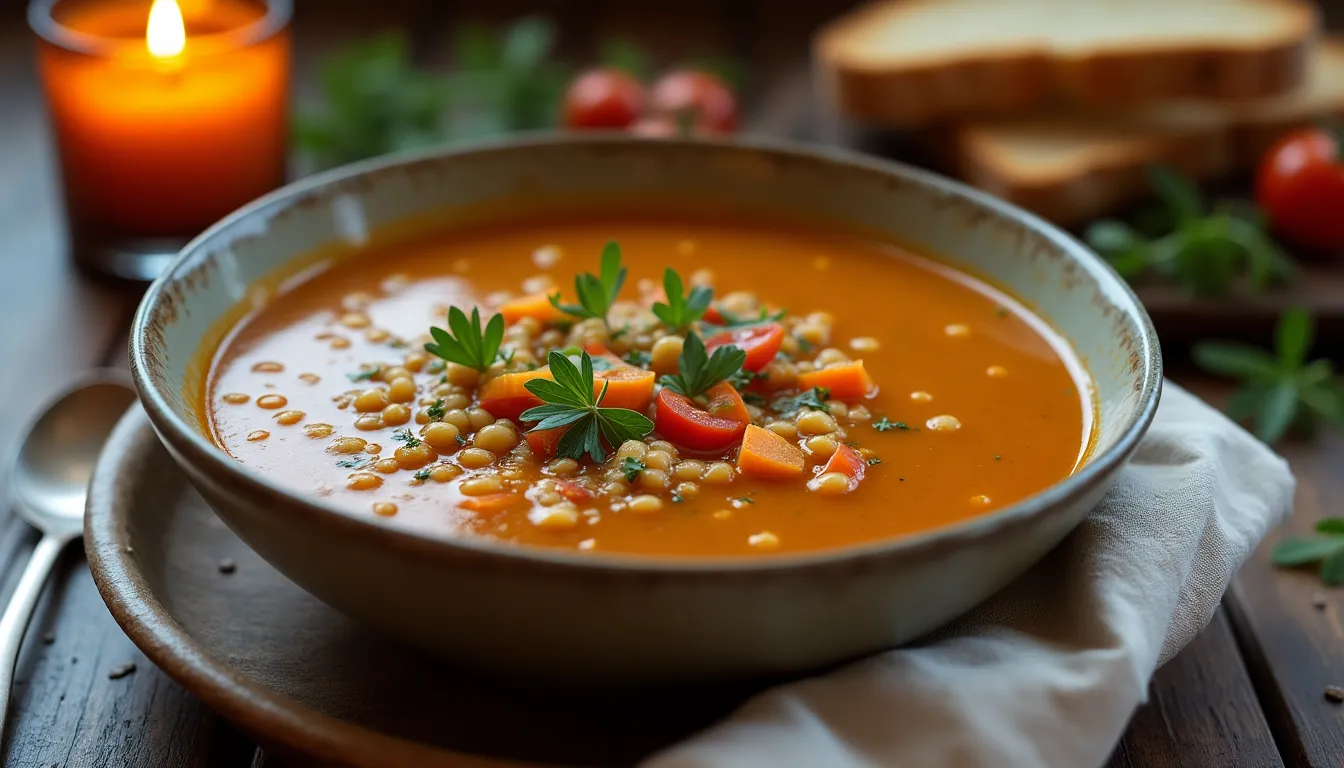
(1058, 105)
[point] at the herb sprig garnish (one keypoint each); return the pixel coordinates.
(885, 425)
(1327, 548)
(681, 310)
(732, 322)
(570, 402)
(813, 399)
(697, 370)
(1279, 389)
(1204, 252)
(365, 374)
(631, 468)
(468, 344)
(596, 293)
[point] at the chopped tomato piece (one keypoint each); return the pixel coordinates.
(847, 461)
(573, 491)
(537, 306)
(846, 381)
(766, 454)
(683, 423)
(506, 395)
(723, 400)
(760, 342)
(491, 502)
(544, 442)
(713, 315)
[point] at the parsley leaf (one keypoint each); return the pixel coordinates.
(1327, 548)
(631, 468)
(698, 371)
(874, 461)
(638, 358)
(366, 374)
(422, 474)
(596, 292)
(436, 411)
(468, 344)
(680, 311)
(884, 425)
(353, 463)
(813, 399)
(405, 436)
(568, 401)
(1279, 389)
(732, 322)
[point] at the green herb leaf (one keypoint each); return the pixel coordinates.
(1300, 550)
(596, 293)
(874, 461)
(733, 322)
(638, 358)
(1234, 360)
(468, 344)
(365, 375)
(422, 474)
(568, 401)
(813, 399)
(353, 463)
(680, 311)
(885, 425)
(698, 371)
(1331, 526)
(627, 56)
(631, 468)
(1276, 412)
(436, 411)
(1180, 196)
(405, 436)
(505, 81)
(1292, 338)
(1332, 569)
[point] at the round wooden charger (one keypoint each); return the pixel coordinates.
(310, 683)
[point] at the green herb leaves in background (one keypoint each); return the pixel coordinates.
(697, 370)
(375, 102)
(681, 310)
(505, 81)
(569, 402)
(596, 292)
(1327, 548)
(1278, 390)
(1206, 252)
(468, 344)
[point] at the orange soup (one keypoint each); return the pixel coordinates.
(652, 386)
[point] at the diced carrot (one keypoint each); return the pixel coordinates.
(544, 442)
(724, 401)
(573, 491)
(492, 502)
(766, 454)
(847, 461)
(846, 381)
(627, 387)
(506, 395)
(537, 306)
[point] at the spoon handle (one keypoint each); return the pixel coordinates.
(14, 621)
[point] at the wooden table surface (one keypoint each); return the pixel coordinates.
(1247, 692)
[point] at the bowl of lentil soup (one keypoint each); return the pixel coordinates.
(622, 410)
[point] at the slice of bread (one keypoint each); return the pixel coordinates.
(1069, 168)
(909, 63)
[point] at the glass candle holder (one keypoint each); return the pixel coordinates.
(167, 116)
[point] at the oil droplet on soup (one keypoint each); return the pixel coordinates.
(834, 433)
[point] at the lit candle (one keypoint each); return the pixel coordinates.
(166, 117)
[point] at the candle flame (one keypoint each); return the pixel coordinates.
(166, 34)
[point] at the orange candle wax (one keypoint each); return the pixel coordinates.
(165, 121)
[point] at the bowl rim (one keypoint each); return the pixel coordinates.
(213, 462)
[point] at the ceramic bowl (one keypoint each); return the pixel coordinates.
(595, 618)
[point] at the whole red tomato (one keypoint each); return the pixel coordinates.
(603, 98)
(699, 93)
(1300, 186)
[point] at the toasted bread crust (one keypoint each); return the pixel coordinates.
(916, 94)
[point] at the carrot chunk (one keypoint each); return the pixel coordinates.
(537, 306)
(627, 386)
(506, 395)
(846, 381)
(766, 454)
(725, 402)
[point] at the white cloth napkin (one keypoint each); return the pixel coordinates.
(1049, 671)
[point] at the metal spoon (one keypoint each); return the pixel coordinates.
(47, 481)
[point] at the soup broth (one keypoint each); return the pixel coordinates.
(881, 393)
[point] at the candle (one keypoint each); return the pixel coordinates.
(166, 118)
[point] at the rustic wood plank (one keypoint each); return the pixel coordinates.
(1202, 711)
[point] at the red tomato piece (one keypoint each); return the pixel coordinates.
(700, 93)
(847, 461)
(1300, 186)
(686, 425)
(544, 442)
(760, 342)
(603, 98)
(573, 491)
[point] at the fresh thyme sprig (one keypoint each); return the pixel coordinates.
(569, 402)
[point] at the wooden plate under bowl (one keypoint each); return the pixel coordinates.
(306, 681)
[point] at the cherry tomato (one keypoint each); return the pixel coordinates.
(686, 425)
(703, 95)
(1300, 186)
(760, 342)
(603, 98)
